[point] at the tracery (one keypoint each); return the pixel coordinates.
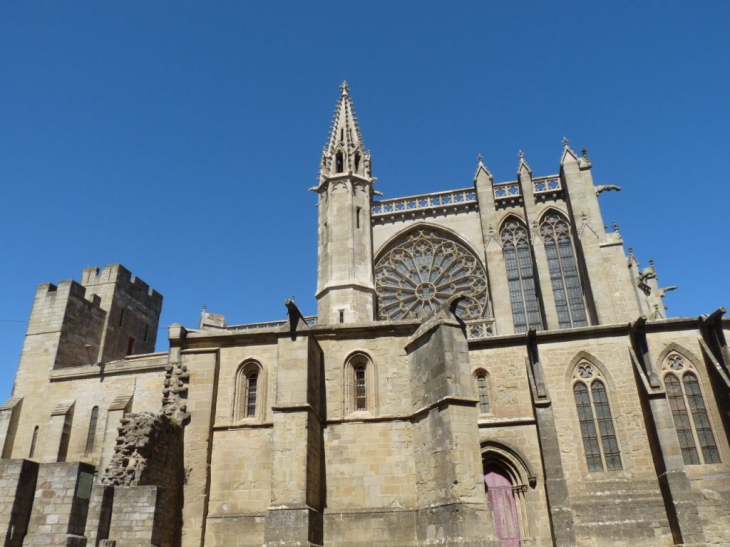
(422, 270)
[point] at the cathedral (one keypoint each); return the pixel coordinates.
(488, 366)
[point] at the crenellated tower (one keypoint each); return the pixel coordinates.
(345, 287)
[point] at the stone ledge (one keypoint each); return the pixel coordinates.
(157, 362)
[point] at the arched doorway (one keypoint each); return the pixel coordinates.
(501, 496)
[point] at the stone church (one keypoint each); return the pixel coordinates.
(487, 367)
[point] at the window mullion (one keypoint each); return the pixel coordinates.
(598, 428)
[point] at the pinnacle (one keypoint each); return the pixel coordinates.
(345, 151)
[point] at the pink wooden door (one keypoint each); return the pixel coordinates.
(499, 493)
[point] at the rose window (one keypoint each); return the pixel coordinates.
(423, 270)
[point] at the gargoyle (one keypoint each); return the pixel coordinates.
(606, 188)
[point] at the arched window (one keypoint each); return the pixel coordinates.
(422, 269)
(359, 383)
(357, 162)
(555, 232)
(596, 423)
(482, 391)
(520, 276)
(689, 412)
(339, 162)
(91, 435)
(249, 391)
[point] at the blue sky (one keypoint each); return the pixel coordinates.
(180, 138)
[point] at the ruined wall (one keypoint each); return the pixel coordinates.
(149, 453)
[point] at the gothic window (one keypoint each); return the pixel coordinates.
(482, 391)
(339, 162)
(596, 423)
(249, 391)
(359, 384)
(689, 412)
(564, 278)
(520, 276)
(91, 435)
(423, 269)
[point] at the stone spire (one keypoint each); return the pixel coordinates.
(345, 151)
(345, 284)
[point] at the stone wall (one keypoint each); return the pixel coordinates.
(60, 505)
(17, 489)
(149, 453)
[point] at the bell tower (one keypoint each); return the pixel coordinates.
(345, 287)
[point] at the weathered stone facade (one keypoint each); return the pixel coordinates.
(488, 367)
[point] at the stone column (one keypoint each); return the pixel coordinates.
(295, 516)
(452, 506)
(556, 487)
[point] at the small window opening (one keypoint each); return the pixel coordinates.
(121, 318)
(33, 442)
(342, 135)
(342, 316)
(91, 436)
(339, 162)
(357, 216)
(483, 396)
(251, 387)
(130, 346)
(360, 388)
(357, 162)
(146, 332)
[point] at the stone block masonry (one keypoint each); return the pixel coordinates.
(17, 487)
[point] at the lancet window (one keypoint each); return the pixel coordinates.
(689, 413)
(423, 269)
(569, 303)
(359, 383)
(482, 391)
(596, 422)
(520, 276)
(249, 391)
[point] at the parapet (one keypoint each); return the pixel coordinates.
(124, 279)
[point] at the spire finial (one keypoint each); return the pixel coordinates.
(480, 158)
(521, 155)
(565, 141)
(344, 88)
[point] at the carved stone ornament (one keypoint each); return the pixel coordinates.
(585, 371)
(675, 362)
